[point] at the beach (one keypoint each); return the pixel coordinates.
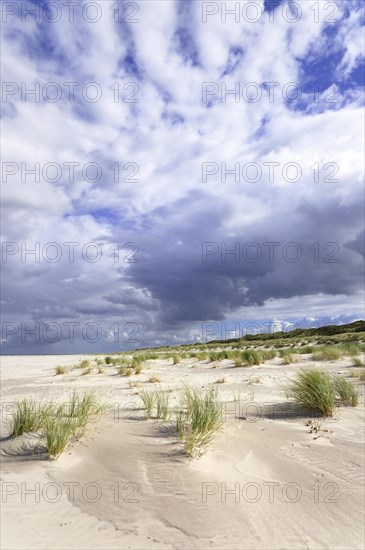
(268, 480)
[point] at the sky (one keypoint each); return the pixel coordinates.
(179, 171)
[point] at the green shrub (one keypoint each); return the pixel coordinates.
(108, 360)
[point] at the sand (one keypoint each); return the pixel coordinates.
(265, 482)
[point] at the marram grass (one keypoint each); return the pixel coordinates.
(199, 419)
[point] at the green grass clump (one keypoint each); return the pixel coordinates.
(84, 364)
(136, 362)
(318, 390)
(154, 379)
(252, 357)
(58, 424)
(125, 371)
(356, 361)
(345, 390)
(288, 359)
(28, 417)
(108, 360)
(87, 371)
(350, 348)
(58, 433)
(176, 359)
(61, 370)
(327, 353)
(306, 350)
(148, 399)
(199, 419)
(151, 356)
(82, 409)
(314, 389)
(269, 354)
(162, 406)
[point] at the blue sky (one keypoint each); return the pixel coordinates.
(206, 166)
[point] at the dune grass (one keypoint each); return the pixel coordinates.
(162, 405)
(318, 390)
(148, 399)
(70, 421)
(28, 417)
(82, 409)
(345, 390)
(314, 389)
(84, 364)
(61, 370)
(57, 423)
(337, 351)
(58, 433)
(327, 353)
(356, 361)
(87, 371)
(153, 379)
(199, 419)
(176, 359)
(288, 359)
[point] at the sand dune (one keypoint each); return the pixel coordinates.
(265, 482)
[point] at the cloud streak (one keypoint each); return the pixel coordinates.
(122, 162)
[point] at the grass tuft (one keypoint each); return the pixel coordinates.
(154, 379)
(199, 419)
(345, 390)
(28, 417)
(314, 389)
(162, 405)
(61, 370)
(148, 399)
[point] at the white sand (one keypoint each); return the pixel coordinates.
(133, 486)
